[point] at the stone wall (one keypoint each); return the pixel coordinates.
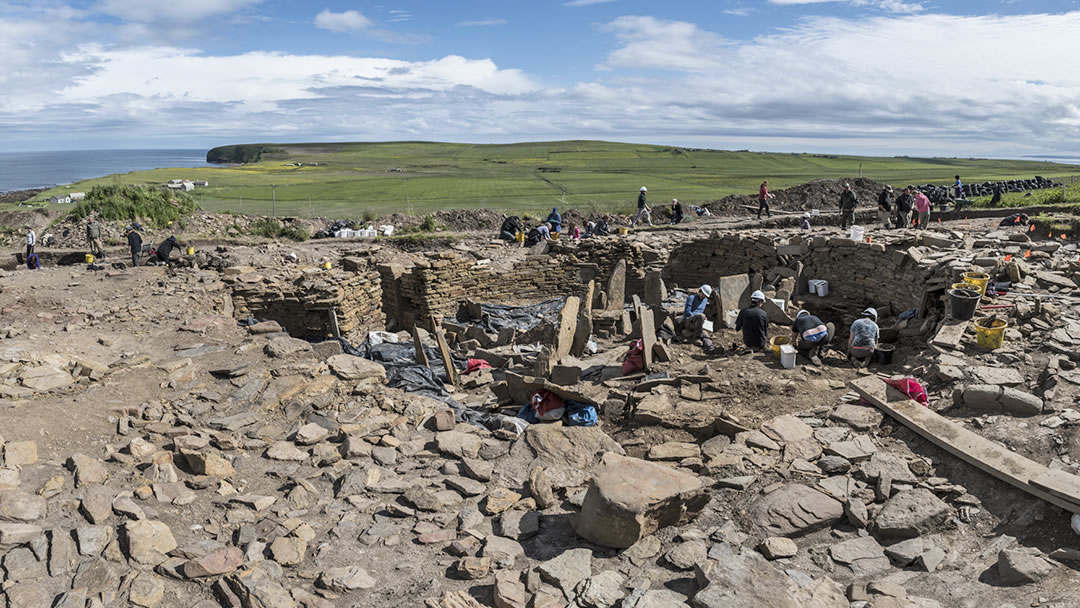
(438, 285)
(300, 298)
(597, 258)
(698, 261)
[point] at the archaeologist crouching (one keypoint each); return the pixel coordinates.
(753, 321)
(692, 322)
(811, 336)
(863, 340)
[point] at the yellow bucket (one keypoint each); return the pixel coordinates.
(326, 265)
(624, 231)
(978, 279)
(776, 342)
(191, 251)
(554, 236)
(520, 237)
(89, 259)
(970, 286)
(990, 335)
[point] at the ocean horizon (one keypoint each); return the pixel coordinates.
(31, 170)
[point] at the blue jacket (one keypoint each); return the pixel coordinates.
(695, 305)
(555, 219)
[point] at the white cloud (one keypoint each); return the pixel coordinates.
(742, 11)
(483, 22)
(586, 2)
(346, 21)
(185, 11)
(893, 6)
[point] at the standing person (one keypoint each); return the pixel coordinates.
(134, 240)
(958, 188)
(692, 322)
(642, 208)
(93, 237)
(676, 211)
(922, 207)
(754, 323)
(555, 219)
(904, 203)
(763, 199)
(805, 223)
(848, 202)
(864, 338)
(31, 241)
(810, 336)
(884, 206)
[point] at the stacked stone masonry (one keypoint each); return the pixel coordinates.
(301, 299)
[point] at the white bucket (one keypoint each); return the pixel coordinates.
(787, 356)
(815, 212)
(857, 233)
(707, 326)
(819, 287)
(730, 318)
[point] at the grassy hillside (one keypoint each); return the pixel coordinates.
(354, 179)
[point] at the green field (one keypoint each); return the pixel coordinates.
(357, 179)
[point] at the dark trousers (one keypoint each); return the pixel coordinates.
(847, 218)
(136, 258)
(763, 205)
(818, 348)
(29, 250)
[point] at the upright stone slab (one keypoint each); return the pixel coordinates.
(630, 499)
(729, 292)
(616, 287)
(567, 328)
(444, 352)
(756, 280)
(418, 346)
(585, 322)
(648, 334)
(654, 289)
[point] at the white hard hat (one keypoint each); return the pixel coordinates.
(758, 296)
(802, 313)
(644, 189)
(707, 290)
(870, 312)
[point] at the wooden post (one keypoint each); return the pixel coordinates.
(444, 352)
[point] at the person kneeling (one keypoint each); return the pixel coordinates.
(692, 322)
(864, 338)
(811, 337)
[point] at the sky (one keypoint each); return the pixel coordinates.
(882, 77)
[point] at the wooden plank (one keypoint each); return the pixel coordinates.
(421, 355)
(444, 352)
(950, 334)
(1056, 487)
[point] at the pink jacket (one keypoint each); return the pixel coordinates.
(922, 203)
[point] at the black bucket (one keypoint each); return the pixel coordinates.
(963, 303)
(883, 354)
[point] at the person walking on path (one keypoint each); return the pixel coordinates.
(958, 188)
(922, 208)
(31, 241)
(848, 202)
(93, 237)
(754, 323)
(904, 203)
(884, 206)
(134, 240)
(642, 209)
(763, 200)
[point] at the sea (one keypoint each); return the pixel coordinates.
(26, 170)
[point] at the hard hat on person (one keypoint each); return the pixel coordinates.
(870, 312)
(707, 290)
(757, 296)
(644, 189)
(802, 313)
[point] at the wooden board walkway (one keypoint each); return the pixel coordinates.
(1056, 487)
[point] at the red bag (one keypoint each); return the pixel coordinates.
(547, 405)
(635, 358)
(911, 388)
(472, 365)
